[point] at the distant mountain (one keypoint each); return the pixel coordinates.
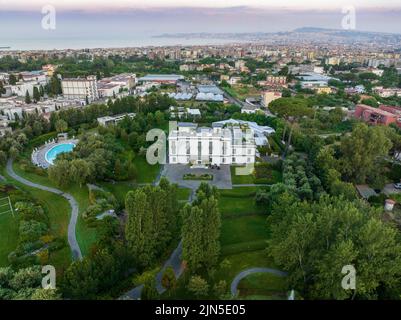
(342, 32)
(309, 34)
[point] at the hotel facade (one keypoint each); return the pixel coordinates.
(219, 145)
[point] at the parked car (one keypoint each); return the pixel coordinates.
(397, 185)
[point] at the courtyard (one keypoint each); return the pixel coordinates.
(176, 172)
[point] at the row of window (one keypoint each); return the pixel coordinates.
(188, 148)
(223, 160)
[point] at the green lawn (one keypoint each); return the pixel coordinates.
(59, 208)
(146, 173)
(118, 189)
(244, 233)
(239, 179)
(263, 286)
(261, 175)
(239, 201)
(8, 232)
(183, 194)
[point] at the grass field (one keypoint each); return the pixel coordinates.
(118, 189)
(59, 209)
(244, 233)
(146, 173)
(8, 232)
(239, 201)
(242, 92)
(183, 194)
(262, 286)
(270, 176)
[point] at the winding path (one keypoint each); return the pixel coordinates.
(72, 240)
(245, 273)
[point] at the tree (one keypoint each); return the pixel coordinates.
(313, 241)
(3, 157)
(198, 286)
(59, 173)
(291, 107)
(54, 87)
(36, 94)
(46, 294)
(2, 89)
(12, 80)
(27, 98)
(192, 246)
(79, 171)
(168, 279)
(370, 102)
(201, 229)
(139, 227)
(61, 125)
(362, 151)
(152, 219)
(220, 289)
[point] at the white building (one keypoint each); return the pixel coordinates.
(221, 144)
(4, 122)
(260, 133)
(112, 120)
(80, 88)
(109, 87)
(20, 88)
(250, 109)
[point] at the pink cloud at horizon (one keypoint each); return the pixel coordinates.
(100, 5)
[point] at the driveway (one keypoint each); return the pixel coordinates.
(245, 273)
(176, 172)
(389, 189)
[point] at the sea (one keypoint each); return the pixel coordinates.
(77, 42)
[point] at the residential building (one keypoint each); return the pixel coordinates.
(234, 80)
(4, 125)
(109, 87)
(112, 120)
(161, 78)
(269, 96)
(80, 88)
(384, 115)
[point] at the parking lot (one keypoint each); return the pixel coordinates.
(176, 172)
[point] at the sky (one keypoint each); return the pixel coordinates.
(111, 20)
(95, 5)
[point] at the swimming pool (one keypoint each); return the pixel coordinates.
(52, 154)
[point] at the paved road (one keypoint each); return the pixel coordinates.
(245, 273)
(72, 240)
(251, 185)
(389, 189)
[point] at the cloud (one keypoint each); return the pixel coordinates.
(118, 5)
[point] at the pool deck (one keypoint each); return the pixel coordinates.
(39, 155)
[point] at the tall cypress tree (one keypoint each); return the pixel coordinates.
(192, 236)
(152, 220)
(201, 230)
(139, 227)
(27, 97)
